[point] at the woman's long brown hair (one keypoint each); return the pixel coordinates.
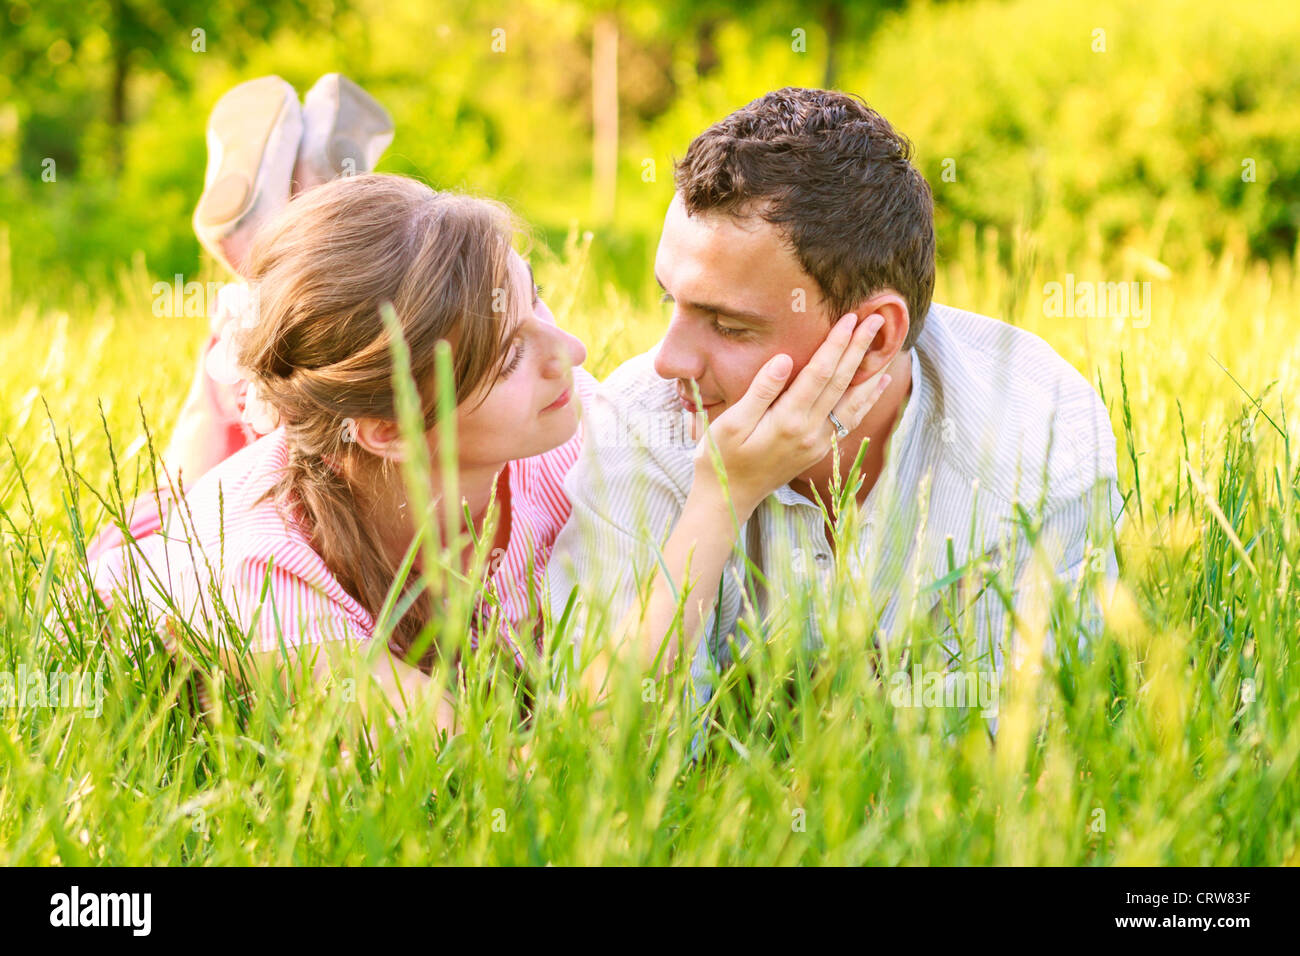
(318, 350)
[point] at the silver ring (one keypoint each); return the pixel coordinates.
(840, 430)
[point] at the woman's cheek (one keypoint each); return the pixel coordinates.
(511, 400)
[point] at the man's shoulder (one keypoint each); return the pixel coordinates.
(1011, 411)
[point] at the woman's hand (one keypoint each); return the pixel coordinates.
(769, 438)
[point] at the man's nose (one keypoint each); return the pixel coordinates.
(679, 355)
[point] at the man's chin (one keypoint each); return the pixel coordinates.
(698, 420)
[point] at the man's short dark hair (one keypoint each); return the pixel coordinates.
(837, 179)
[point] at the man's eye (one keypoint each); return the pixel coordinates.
(728, 332)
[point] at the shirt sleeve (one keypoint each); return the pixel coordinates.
(279, 602)
(626, 499)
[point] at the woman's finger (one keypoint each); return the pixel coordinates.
(762, 391)
(816, 375)
(852, 408)
(848, 365)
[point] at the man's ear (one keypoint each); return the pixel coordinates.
(380, 437)
(890, 338)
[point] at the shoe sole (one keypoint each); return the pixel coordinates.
(358, 118)
(243, 124)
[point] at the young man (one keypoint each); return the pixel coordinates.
(789, 213)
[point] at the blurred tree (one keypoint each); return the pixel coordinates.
(112, 40)
(840, 21)
(1176, 141)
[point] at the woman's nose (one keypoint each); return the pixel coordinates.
(577, 351)
(567, 351)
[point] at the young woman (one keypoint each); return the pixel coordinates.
(265, 147)
(316, 509)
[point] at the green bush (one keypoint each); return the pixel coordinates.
(1021, 119)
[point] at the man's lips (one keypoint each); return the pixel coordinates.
(689, 404)
(561, 401)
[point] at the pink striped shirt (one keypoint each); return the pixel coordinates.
(183, 555)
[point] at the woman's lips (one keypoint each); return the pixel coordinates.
(561, 401)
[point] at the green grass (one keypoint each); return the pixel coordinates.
(1148, 749)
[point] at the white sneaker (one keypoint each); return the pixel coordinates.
(345, 131)
(253, 137)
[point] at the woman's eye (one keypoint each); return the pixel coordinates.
(537, 294)
(512, 362)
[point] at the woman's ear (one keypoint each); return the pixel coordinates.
(380, 437)
(890, 338)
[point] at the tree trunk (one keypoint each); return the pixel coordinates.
(706, 50)
(604, 106)
(833, 24)
(117, 91)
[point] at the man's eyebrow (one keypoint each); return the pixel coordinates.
(729, 312)
(718, 309)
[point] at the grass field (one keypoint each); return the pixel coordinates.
(1174, 740)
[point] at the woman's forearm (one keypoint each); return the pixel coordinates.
(686, 582)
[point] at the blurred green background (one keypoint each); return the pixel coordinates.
(1135, 131)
